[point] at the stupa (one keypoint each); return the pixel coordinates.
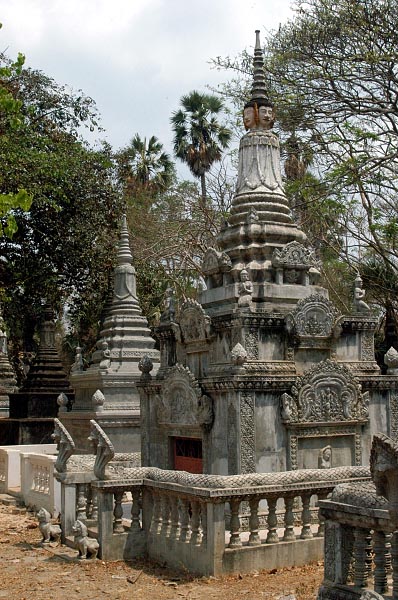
(8, 382)
(107, 391)
(34, 406)
(263, 373)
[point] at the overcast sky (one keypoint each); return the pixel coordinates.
(135, 58)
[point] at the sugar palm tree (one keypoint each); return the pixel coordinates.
(144, 165)
(199, 138)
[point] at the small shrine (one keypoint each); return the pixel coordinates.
(107, 391)
(263, 373)
(33, 407)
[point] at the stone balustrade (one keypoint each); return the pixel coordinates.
(39, 488)
(199, 527)
(10, 464)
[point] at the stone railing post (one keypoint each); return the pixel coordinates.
(68, 509)
(105, 522)
(215, 536)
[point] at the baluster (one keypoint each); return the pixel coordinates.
(135, 510)
(47, 481)
(184, 520)
(234, 540)
(40, 479)
(195, 523)
(81, 502)
(94, 504)
(203, 518)
(89, 505)
(118, 513)
(34, 478)
(272, 521)
(388, 553)
(394, 564)
(166, 522)
(380, 573)
(321, 520)
(369, 555)
(254, 538)
(175, 518)
(360, 556)
(306, 532)
(157, 513)
(289, 534)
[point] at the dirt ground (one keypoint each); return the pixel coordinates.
(32, 572)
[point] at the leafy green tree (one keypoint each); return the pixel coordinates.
(144, 166)
(199, 137)
(64, 246)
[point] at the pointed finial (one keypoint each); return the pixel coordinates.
(259, 89)
(124, 255)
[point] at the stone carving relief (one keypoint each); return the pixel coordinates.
(87, 546)
(97, 400)
(215, 262)
(325, 458)
(251, 343)
(65, 446)
(169, 309)
(293, 255)
(245, 290)
(49, 531)
(247, 433)
(391, 361)
(327, 392)
(182, 401)
(103, 448)
(393, 415)
(238, 355)
(194, 323)
(314, 316)
(145, 365)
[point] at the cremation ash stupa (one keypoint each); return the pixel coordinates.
(107, 391)
(263, 372)
(34, 406)
(8, 381)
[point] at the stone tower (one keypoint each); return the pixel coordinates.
(7, 376)
(107, 391)
(263, 373)
(34, 406)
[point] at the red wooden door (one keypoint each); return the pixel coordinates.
(188, 455)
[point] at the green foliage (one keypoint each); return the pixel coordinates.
(63, 247)
(199, 138)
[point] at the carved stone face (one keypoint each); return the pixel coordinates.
(265, 117)
(249, 117)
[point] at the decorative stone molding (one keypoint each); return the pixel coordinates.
(194, 322)
(65, 446)
(98, 400)
(215, 262)
(393, 401)
(326, 393)
(247, 433)
(314, 316)
(182, 401)
(104, 449)
(294, 256)
(238, 355)
(145, 365)
(63, 402)
(384, 471)
(391, 361)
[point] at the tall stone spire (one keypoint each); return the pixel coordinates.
(107, 391)
(260, 219)
(260, 242)
(259, 88)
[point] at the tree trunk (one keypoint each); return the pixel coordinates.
(203, 187)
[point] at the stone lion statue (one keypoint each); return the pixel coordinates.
(84, 544)
(49, 531)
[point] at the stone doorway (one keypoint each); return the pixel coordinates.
(187, 454)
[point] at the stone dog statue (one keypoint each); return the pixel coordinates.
(49, 531)
(84, 544)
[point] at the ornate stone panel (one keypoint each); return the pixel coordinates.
(294, 256)
(367, 346)
(182, 402)
(314, 316)
(194, 322)
(251, 344)
(247, 433)
(326, 393)
(393, 415)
